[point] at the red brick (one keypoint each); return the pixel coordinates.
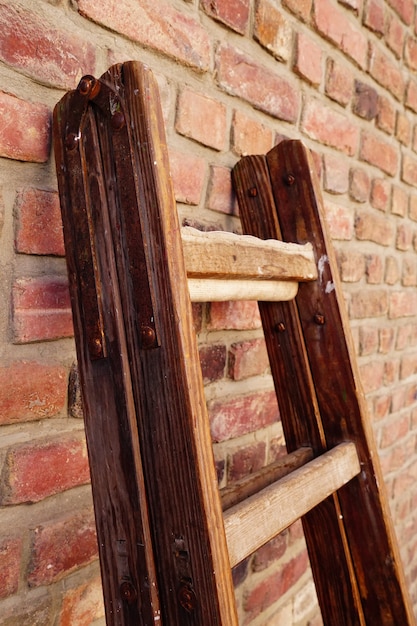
(39, 224)
(359, 185)
(329, 127)
(270, 552)
(213, 362)
(380, 194)
(60, 465)
(31, 391)
(408, 365)
(241, 76)
(41, 309)
(62, 546)
(334, 24)
(386, 118)
(395, 35)
(403, 129)
(308, 59)
(248, 358)
(402, 304)
(83, 605)
(188, 173)
(368, 340)
(409, 170)
(374, 269)
(336, 173)
(399, 201)
(404, 8)
(233, 13)
(372, 376)
(386, 340)
(55, 56)
(245, 460)
(386, 72)
(301, 8)
(269, 590)
(220, 194)
(202, 119)
(411, 95)
(392, 272)
(339, 82)
(374, 16)
(354, 5)
(378, 152)
(272, 30)
(365, 102)
(236, 315)
(410, 52)
(409, 272)
(381, 407)
(10, 559)
(250, 136)
(404, 237)
(368, 303)
(25, 129)
(155, 24)
(375, 227)
(233, 417)
(340, 221)
(351, 266)
(412, 213)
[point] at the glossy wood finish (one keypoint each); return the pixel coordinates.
(352, 546)
(163, 550)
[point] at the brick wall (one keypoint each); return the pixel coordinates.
(235, 77)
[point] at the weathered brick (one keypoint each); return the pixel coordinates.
(10, 559)
(82, 605)
(372, 376)
(378, 152)
(402, 304)
(381, 407)
(403, 129)
(411, 95)
(380, 194)
(61, 546)
(235, 315)
(336, 173)
(60, 465)
(273, 30)
(301, 8)
(404, 237)
(242, 76)
(49, 54)
(368, 303)
(249, 136)
(247, 358)
(404, 8)
(371, 226)
(351, 266)
(359, 184)
(365, 101)
(395, 35)
(213, 362)
(412, 211)
(386, 117)
(410, 52)
(188, 173)
(245, 460)
(339, 82)
(220, 193)
(333, 24)
(41, 309)
(155, 24)
(202, 119)
(25, 129)
(386, 72)
(374, 16)
(354, 5)
(30, 390)
(233, 417)
(340, 221)
(308, 61)
(270, 552)
(392, 272)
(374, 269)
(409, 170)
(386, 340)
(30, 611)
(399, 201)
(233, 13)
(274, 586)
(368, 340)
(38, 223)
(329, 127)
(409, 272)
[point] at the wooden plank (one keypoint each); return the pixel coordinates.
(252, 523)
(248, 485)
(219, 254)
(217, 290)
(309, 340)
(167, 433)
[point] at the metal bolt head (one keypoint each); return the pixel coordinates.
(128, 592)
(147, 335)
(88, 86)
(289, 179)
(118, 120)
(280, 327)
(71, 141)
(319, 319)
(252, 192)
(187, 598)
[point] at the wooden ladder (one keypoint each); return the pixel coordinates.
(165, 545)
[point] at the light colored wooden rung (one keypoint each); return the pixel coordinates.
(218, 290)
(261, 517)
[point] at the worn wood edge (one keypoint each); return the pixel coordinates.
(223, 290)
(249, 485)
(219, 254)
(261, 517)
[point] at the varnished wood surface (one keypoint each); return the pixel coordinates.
(352, 547)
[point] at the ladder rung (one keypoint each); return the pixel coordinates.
(261, 517)
(218, 290)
